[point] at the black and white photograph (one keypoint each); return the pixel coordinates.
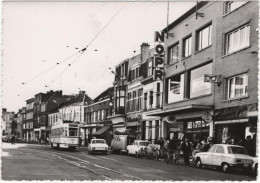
(129, 90)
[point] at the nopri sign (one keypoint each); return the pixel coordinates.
(158, 56)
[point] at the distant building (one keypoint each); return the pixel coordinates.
(7, 119)
(96, 122)
(44, 104)
(28, 130)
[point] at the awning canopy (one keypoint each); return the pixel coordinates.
(179, 110)
(101, 130)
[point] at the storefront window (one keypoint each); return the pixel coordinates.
(197, 85)
(176, 88)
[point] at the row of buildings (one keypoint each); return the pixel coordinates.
(200, 80)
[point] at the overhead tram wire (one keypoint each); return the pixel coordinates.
(85, 48)
(69, 65)
(52, 67)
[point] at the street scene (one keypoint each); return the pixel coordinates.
(118, 91)
(40, 162)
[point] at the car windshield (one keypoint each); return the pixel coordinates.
(98, 142)
(237, 150)
(144, 143)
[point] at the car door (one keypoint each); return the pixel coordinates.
(218, 156)
(207, 157)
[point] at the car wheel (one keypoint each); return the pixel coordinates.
(225, 167)
(51, 144)
(120, 152)
(128, 153)
(198, 163)
(105, 152)
(89, 152)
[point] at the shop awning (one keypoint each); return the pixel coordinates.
(232, 121)
(179, 110)
(101, 130)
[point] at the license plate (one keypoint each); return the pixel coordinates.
(246, 165)
(72, 139)
(99, 148)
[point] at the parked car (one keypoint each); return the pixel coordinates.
(97, 145)
(136, 146)
(225, 156)
(255, 165)
(119, 143)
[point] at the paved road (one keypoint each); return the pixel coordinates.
(39, 162)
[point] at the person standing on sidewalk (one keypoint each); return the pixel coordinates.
(13, 139)
(186, 149)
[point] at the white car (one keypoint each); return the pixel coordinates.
(225, 156)
(136, 146)
(97, 145)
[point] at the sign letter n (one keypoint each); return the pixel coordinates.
(159, 36)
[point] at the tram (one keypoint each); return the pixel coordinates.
(65, 136)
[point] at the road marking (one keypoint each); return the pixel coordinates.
(88, 162)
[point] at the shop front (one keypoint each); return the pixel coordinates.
(187, 121)
(236, 123)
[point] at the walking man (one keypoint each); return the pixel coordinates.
(186, 149)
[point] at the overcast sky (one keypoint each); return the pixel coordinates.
(36, 36)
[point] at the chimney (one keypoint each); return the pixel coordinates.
(144, 52)
(3, 110)
(82, 92)
(60, 92)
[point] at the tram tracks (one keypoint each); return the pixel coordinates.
(94, 168)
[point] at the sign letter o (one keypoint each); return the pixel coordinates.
(159, 49)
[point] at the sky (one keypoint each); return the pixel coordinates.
(38, 35)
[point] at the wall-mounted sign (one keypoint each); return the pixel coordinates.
(207, 117)
(171, 119)
(158, 56)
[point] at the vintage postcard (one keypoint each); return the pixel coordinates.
(129, 90)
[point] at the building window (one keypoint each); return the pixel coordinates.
(187, 47)
(232, 5)
(237, 86)
(120, 100)
(145, 101)
(140, 96)
(173, 54)
(99, 115)
(203, 38)
(150, 131)
(137, 72)
(102, 114)
(94, 117)
(134, 101)
(156, 130)
(237, 39)
(197, 85)
(150, 99)
(150, 68)
(176, 88)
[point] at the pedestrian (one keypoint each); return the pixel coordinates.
(13, 139)
(186, 149)
(171, 150)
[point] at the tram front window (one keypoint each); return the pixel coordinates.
(73, 132)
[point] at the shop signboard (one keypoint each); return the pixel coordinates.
(207, 117)
(159, 56)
